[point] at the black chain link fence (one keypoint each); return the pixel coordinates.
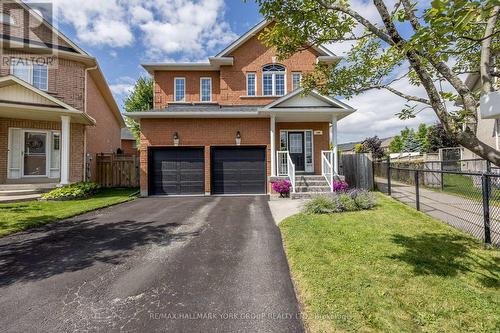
(466, 199)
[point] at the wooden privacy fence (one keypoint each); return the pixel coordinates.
(358, 170)
(114, 170)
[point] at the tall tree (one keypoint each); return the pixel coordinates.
(446, 39)
(438, 138)
(396, 145)
(372, 145)
(411, 144)
(140, 99)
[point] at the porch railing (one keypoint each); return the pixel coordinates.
(327, 167)
(286, 167)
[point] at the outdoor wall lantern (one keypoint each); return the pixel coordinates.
(176, 139)
(238, 138)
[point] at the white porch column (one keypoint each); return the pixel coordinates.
(273, 145)
(333, 141)
(65, 143)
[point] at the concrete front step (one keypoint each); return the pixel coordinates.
(303, 189)
(306, 195)
(311, 183)
(21, 187)
(310, 177)
(13, 193)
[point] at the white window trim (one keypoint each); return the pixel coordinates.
(273, 83)
(29, 63)
(175, 89)
(201, 90)
(296, 73)
(254, 83)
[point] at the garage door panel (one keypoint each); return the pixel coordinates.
(178, 171)
(238, 170)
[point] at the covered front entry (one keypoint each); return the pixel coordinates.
(238, 170)
(299, 144)
(176, 171)
(34, 153)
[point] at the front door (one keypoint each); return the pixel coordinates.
(35, 154)
(296, 149)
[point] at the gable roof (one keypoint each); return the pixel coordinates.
(34, 98)
(223, 58)
(298, 94)
(51, 27)
(323, 51)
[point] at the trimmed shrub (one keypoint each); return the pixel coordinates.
(323, 205)
(363, 199)
(340, 202)
(347, 202)
(72, 191)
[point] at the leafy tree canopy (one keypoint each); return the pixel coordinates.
(140, 99)
(428, 44)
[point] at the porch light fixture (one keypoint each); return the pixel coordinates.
(238, 138)
(176, 139)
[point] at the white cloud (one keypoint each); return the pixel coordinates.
(376, 113)
(123, 87)
(189, 28)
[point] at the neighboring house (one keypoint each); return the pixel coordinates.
(129, 144)
(55, 104)
(348, 147)
(487, 130)
(386, 143)
(228, 126)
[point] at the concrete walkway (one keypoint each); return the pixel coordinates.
(461, 213)
(282, 208)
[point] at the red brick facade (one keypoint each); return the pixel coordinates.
(202, 133)
(228, 88)
(229, 84)
(67, 81)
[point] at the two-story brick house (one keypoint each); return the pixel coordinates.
(55, 104)
(231, 125)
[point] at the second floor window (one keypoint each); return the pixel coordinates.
(251, 84)
(206, 89)
(34, 74)
(296, 77)
(179, 89)
(273, 80)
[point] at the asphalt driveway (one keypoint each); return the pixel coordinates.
(160, 264)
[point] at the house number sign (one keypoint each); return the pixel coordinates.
(318, 132)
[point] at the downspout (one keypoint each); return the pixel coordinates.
(85, 127)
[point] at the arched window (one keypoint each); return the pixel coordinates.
(7, 19)
(273, 80)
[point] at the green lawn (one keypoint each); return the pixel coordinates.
(16, 217)
(391, 269)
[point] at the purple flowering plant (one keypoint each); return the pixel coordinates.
(282, 186)
(340, 186)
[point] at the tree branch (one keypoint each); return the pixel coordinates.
(485, 62)
(370, 26)
(396, 92)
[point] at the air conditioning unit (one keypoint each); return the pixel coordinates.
(490, 105)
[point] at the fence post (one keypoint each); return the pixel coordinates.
(417, 191)
(486, 207)
(389, 175)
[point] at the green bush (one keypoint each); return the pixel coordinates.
(363, 199)
(73, 191)
(347, 202)
(323, 205)
(344, 202)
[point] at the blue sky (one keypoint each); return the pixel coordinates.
(122, 34)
